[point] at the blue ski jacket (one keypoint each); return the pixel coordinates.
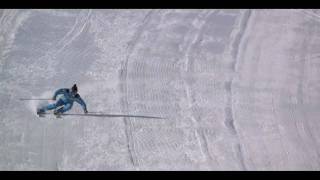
(68, 97)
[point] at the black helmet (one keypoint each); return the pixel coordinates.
(74, 88)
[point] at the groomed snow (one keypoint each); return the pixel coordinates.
(240, 89)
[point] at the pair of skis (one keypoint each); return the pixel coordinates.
(92, 114)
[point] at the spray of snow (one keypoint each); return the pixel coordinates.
(33, 105)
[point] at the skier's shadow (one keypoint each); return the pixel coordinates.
(111, 115)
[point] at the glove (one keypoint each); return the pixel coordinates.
(86, 111)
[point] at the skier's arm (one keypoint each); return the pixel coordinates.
(59, 91)
(79, 100)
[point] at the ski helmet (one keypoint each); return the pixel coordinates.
(74, 88)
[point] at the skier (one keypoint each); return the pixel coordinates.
(65, 102)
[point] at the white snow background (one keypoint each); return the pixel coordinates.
(240, 89)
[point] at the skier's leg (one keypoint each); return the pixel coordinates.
(55, 105)
(42, 110)
(65, 108)
(52, 106)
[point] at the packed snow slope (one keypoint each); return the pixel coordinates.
(239, 89)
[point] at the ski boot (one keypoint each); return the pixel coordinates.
(40, 112)
(57, 113)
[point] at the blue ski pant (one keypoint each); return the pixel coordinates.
(66, 106)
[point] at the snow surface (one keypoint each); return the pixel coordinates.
(240, 89)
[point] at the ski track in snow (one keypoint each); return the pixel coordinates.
(239, 89)
(125, 104)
